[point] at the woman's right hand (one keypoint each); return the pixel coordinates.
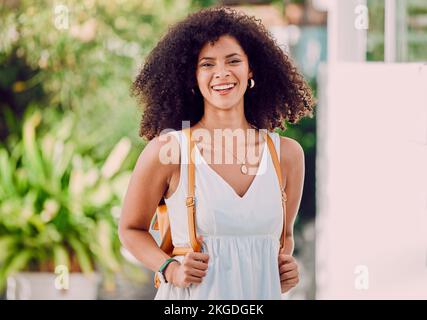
(191, 270)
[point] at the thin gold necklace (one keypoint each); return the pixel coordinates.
(243, 167)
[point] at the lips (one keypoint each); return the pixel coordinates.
(224, 91)
(223, 84)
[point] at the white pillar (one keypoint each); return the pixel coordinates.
(347, 27)
(390, 31)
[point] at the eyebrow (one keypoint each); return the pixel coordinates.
(227, 56)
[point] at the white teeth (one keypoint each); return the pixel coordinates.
(222, 87)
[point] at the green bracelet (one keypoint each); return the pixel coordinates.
(164, 266)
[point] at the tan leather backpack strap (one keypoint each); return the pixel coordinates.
(282, 190)
(190, 200)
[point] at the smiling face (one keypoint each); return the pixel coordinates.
(223, 63)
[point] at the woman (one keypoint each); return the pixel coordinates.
(222, 71)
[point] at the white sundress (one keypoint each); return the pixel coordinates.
(241, 234)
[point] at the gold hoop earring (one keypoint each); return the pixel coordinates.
(252, 83)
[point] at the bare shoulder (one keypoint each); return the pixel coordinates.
(148, 183)
(290, 148)
(291, 155)
(161, 155)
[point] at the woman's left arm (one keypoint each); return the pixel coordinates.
(293, 170)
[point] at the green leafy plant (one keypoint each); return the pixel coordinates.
(58, 207)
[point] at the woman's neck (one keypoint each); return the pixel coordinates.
(224, 121)
(233, 124)
(232, 118)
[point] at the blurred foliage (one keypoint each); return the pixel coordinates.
(303, 2)
(58, 206)
(375, 34)
(80, 56)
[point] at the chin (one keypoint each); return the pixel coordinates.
(224, 107)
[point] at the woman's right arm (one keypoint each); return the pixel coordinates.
(148, 183)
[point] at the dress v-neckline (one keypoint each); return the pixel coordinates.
(216, 174)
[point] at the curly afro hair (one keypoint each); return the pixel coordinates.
(164, 84)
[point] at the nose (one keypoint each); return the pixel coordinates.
(222, 72)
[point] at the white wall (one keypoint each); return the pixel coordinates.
(371, 224)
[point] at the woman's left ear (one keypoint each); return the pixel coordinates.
(250, 75)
